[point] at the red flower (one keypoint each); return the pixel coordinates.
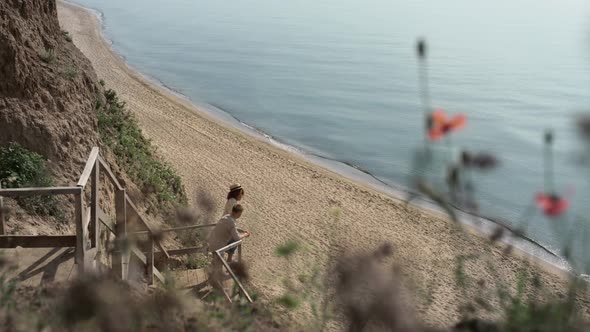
(552, 205)
(439, 126)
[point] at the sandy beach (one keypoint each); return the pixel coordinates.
(287, 197)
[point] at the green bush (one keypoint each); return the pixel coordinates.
(120, 131)
(197, 261)
(19, 168)
(289, 301)
(70, 72)
(67, 36)
(287, 249)
(529, 313)
(48, 56)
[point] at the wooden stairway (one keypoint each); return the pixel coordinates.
(62, 257)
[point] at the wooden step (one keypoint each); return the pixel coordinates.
(189, 278)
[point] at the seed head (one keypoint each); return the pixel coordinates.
(480, 160)
(421, 48)
(548, 137)
(583, 123)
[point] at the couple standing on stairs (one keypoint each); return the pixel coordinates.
(225, 231)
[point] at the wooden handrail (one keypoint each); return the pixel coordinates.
(81, 231)
(229, 246)
(185, 251)
(110, 174)
(150, 261)
(85, 224)
(90, 163)
(104, 219)
(95, 205)
(17, 192)
(145, 224)
(175, 229)
(2, 222)
(219, 253)
(135, 210)
(88, 220)
(143, 259)
(37, 241)
(231, 273)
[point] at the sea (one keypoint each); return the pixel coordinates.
(338, 81)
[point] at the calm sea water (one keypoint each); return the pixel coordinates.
(338, 78)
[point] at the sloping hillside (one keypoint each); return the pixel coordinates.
(48, 88)
(53, 104)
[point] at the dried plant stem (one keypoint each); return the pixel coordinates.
(548, 169)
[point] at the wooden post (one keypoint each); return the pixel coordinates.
(240, 253)
(240, 260)
(231, 273)
(94, 200)
(80, 231)
(150, 260)
(2, 222)
(120, 232)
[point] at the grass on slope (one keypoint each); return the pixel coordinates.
(120, 131)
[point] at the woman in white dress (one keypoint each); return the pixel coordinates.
(236, 193)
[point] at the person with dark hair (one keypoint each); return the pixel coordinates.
(236, 193)
(224, 233)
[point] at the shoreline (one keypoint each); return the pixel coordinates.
(478, 224)
(281, 161)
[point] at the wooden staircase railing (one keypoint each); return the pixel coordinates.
(90, 219)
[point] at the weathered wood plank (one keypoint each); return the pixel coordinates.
(2, 220)
(143, 259)
(106, 221)
(162, 249)
(229, 246)
(80, 233)
(17, 192)
(159, 275)
(86, 220)
(145, 224)
(110, 175)
(231, 273)
(120, 232)
(87, 239)
(90, 263)
(227, 297)
(37, 241)
(176, 229)
(135, 211)
(183, 251)
(139, 255)
(94, 202)
(90, 164)
(184, 228)
(150, 261)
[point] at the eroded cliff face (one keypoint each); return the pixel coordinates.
(49, 94)
(48, 89)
